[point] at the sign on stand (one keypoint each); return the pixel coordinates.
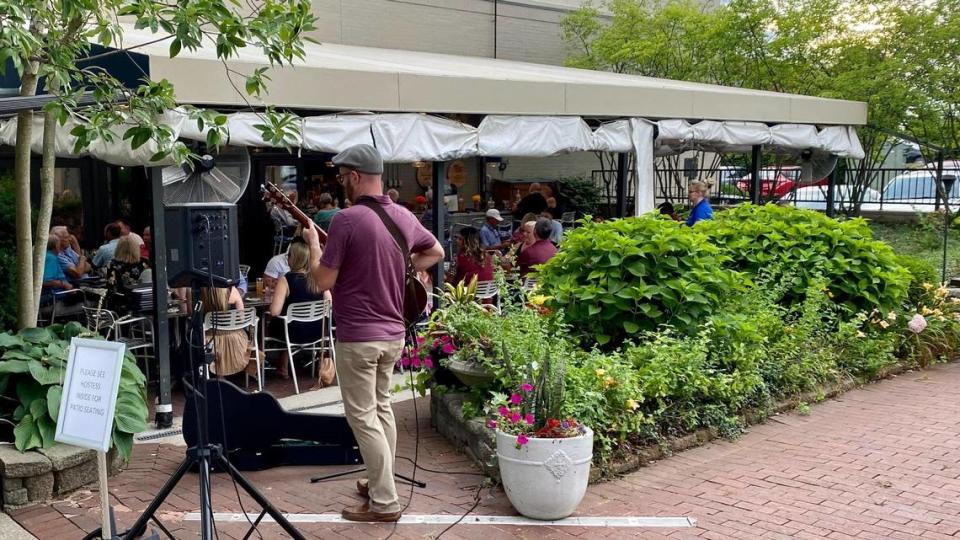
(88, 403)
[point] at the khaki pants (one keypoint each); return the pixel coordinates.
(363, 371)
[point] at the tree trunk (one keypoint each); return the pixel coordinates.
(26, 312)
(46, 204)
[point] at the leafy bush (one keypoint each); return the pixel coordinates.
(31, 373)
(580, 195)
(862, 273)
(8, 255)
(617, 279)
(921, 272)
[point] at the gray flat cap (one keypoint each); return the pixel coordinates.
(360, 157)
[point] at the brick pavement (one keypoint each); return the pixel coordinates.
(879, 462)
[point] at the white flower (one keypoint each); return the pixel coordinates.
(917, 324)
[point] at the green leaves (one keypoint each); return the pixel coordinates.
(622, 277)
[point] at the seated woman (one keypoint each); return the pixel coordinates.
(519, 237)
(231, 347)
(292, 287)
(124, 273)
(472, 261)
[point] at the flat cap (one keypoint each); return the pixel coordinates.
(360, 157)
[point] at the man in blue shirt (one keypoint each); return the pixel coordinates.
(54, 280)
(697, 195)
(489, 235)
(104, 255)
(72, 261)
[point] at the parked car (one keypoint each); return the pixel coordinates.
(916, 191)
(778, 181)
(815, 198)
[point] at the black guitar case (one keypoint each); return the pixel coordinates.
(256, 433)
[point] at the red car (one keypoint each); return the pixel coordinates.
(778, 180)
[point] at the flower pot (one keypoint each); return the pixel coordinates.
(545, 478)
(470, 373)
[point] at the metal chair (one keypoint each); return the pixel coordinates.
(63, 304)
(134, 332)
(245, 271)
(568, 220)
(317, 311)
(505, 229)
(282, 236)
(488, 290)
(236, 319)
(529, 284)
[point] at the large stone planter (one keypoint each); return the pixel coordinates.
(470, 374)
(545, 478)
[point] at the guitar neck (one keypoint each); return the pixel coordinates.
(306, 222)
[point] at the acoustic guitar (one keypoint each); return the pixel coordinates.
(414, 293)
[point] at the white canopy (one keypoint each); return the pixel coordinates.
(408, 137)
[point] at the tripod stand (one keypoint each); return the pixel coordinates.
(204, 455)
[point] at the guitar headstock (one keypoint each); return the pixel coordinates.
(270, 192)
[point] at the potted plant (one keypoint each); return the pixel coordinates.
(544, 459)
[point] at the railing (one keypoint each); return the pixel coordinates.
(872, 190)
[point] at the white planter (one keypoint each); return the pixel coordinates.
(545, 478)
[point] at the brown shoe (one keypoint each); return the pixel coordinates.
(363, 487)
(363, 513)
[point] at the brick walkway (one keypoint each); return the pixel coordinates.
(879, 462)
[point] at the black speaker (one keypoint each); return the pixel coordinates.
(202, 244)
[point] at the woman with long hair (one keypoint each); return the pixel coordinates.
(124, 273)
(472, 261)
(295, 286)
(231, 347)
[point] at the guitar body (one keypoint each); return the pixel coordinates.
(414, 300)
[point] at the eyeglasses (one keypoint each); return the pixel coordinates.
(342, 176)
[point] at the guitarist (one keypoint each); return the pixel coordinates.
(365, 268)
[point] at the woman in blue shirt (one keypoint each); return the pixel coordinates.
(697, 195)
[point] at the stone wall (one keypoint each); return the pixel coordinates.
(471, 436)
(38, 475)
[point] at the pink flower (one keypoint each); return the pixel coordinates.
(416, 362)
(405, 361)
(516, 399)
(522, 439)
(428, 362)
(492, 424)
(515, 417)
(504, 411)
(528, 419)
(421, 340)
(526, 387)
(448, 348)
(917, 324)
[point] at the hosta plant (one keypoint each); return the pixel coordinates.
(32, 368)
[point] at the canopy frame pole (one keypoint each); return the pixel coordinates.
(622, 184)
(756, 157)
(831, 191)
(438, 228)
(161, 332)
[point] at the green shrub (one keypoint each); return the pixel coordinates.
(580, 195)
(921, 272)
(861, 273)
(31, 374)
(617, 279)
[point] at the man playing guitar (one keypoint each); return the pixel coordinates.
(366, 269)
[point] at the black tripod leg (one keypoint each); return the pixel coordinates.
(409, 480)
(259, 498)
(256, 522)
(326, 477)
(140, 526)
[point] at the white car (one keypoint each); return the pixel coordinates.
(815, 198)
(916, 191)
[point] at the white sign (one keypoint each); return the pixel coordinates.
(90, 393)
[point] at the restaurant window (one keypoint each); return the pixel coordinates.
(67, 202)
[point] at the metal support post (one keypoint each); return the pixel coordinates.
(161, 333)
(755, 161)
(939, 179)
(622, 184)
(946, 183)
(831, 192)
(439, 226)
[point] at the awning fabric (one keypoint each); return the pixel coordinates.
(408, 137)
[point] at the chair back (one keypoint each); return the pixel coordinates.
(245, 270)
(234, 319)
(505, 228)
(99, 319)
(529, 283)
(312, 311)
(487, 289)
(568, 219)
